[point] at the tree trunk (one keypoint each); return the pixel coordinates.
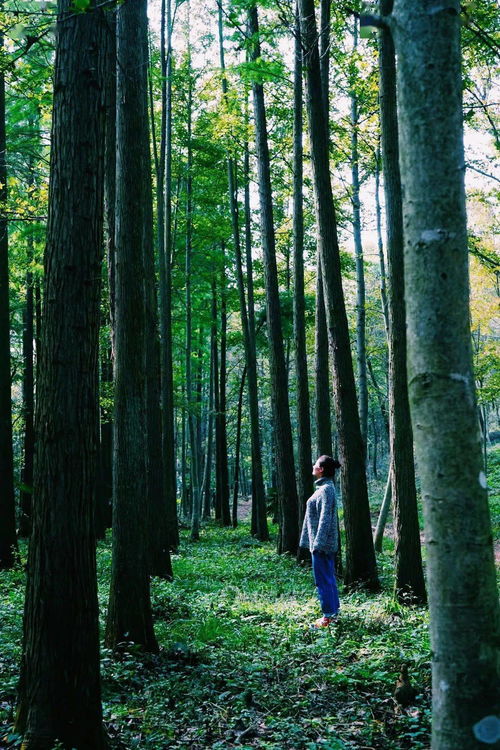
(409, 582)
(215, 360)
(323, 409)
(464, 610)
(287, 491)
(237, 451)
(26, 493)
(383, 514)
(206, 492)
(129, 613)
(225, 516)
(158, 531)
(360, 271)
(164, 214)
(258, 494)
(305, 482)
(60, 688)
(259, 510)
(190, 389)
(8, 540)
(104, 494)
(380, 243)
(360, 557)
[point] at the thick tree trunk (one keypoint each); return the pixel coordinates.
(409, 582)
(285, 469)
(464, 610)
(60, 689)
(8, 540)
(360, 556)
(304, 483)
(129, 613)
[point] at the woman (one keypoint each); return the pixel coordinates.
(320, 535)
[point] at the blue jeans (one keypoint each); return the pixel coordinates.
(324, 577)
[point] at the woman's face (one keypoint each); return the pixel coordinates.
(318, 471)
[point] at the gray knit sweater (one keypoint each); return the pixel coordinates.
(319, 532)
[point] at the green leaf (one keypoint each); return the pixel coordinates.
(81, 5)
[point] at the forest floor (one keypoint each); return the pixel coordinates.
(238, 665)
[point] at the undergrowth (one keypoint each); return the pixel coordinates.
(238, 666)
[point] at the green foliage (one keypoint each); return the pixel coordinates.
(238, 664)
(80, 5)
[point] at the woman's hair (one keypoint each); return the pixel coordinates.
(329, 464)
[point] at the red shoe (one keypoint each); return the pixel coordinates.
(323, 622)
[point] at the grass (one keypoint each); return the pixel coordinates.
(238, 666)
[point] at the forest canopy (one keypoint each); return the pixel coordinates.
(235, 237)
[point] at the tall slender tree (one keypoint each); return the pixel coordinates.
(190, 386)
(322, 402)
(304, 483)
(158, 531)
(222, 490)
(258, 492)
(8, 540)
(259, 513)
(409, 580)
(60, 689)
(129, 612)
(285, 468)
(463, 597)
(360, 555)
(358, 250)
(164, 228)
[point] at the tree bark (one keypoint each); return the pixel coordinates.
(360, 556)
(305, 482)
(358, 250)
(258, 493)
(259, 511)
(129, 613)
(26, 492)
(323, 409)
(206, 490)
(464, 609)
(164, 221)
(383, 514)
(223, 492)
(8, 540)
(158, 531)
(409, 576)
(190, 390)
(287, 491)
(59, 697)
(380, 244)
(236, 480)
